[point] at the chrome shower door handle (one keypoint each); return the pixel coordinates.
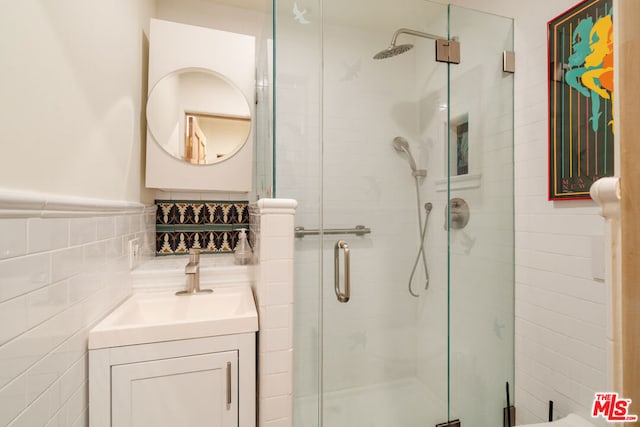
(342, 297)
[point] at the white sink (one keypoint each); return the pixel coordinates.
(148, 317)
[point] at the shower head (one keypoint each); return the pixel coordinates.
(428, 206)
(402, 145)
(394, 50)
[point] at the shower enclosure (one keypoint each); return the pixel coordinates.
(401, 349)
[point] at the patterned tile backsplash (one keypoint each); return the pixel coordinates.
(208, 225)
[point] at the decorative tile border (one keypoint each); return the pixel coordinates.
(186, 212)
(208, 225)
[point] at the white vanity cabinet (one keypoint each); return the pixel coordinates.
(191, 390)
(188, 383)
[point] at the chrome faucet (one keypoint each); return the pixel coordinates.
(192, 270)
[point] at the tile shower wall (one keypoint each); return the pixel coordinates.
(59, 276)
(211, 226)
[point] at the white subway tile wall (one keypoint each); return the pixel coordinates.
(560, 309)
(13, 242)
(273, 288)
(47, 234)
(58, 276)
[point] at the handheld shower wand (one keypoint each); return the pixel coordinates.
(402, 145)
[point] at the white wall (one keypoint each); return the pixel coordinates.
(560, 308)
(212, 14)
(59, 276)
(73, 88)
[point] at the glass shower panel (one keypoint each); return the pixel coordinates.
(298, 160)
(481, 264)
(264, 126)
(384, 351)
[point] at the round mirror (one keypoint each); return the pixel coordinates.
(198, 116)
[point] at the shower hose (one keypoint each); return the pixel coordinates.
(422, 232)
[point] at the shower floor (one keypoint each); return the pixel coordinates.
(405, 403)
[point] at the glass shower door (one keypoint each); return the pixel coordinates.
(384, 351)
(397, 146)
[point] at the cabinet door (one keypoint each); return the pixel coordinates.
(189, 391)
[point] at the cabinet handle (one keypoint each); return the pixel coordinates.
(228, 386)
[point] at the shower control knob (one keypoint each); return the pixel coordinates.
(457, 214)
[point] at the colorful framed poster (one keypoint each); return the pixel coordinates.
(580, 99)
